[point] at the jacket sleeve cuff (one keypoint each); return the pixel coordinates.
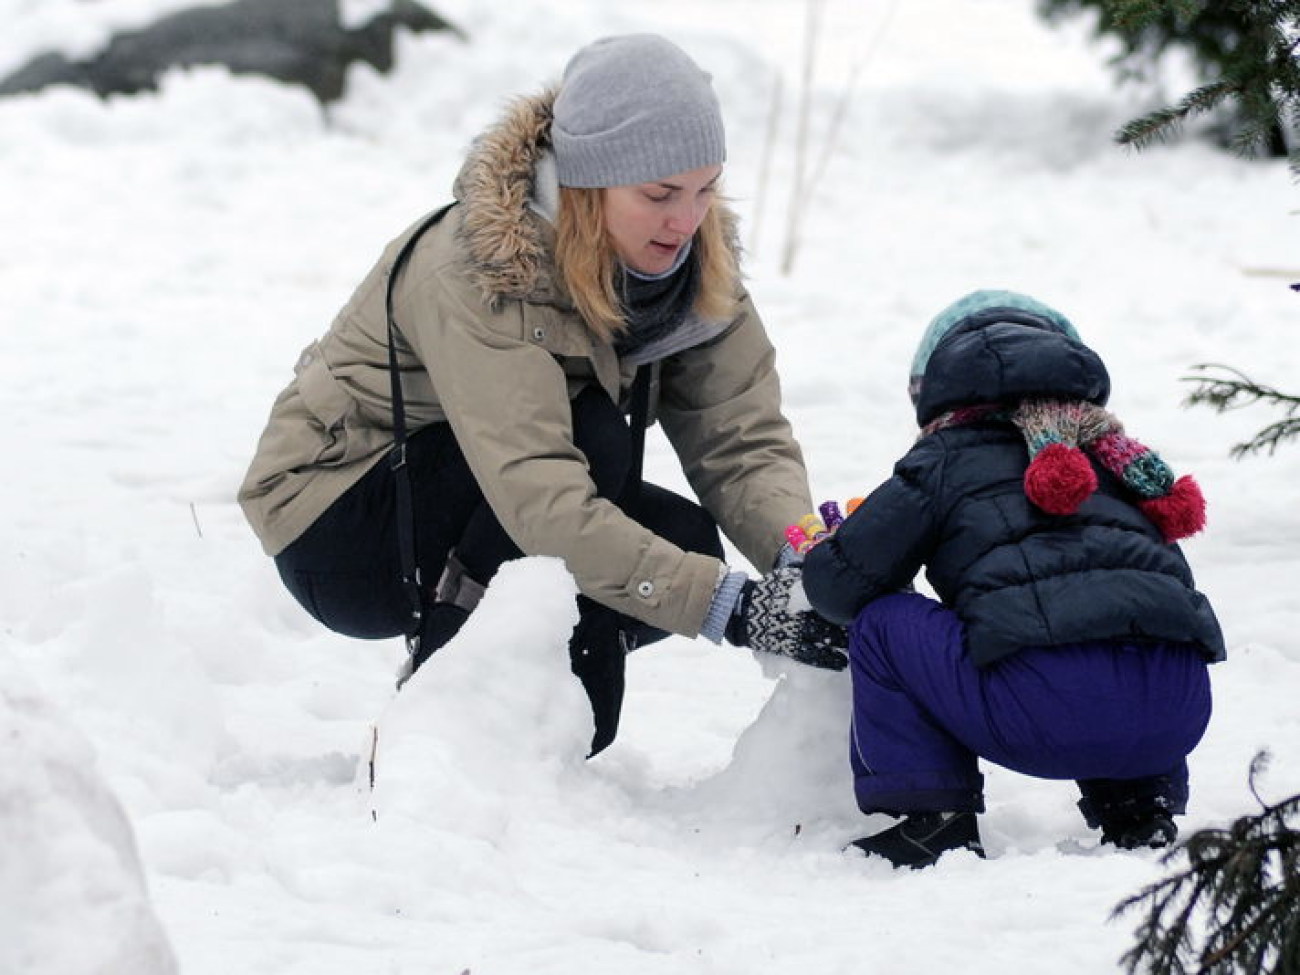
(725, 598)
(787, 556)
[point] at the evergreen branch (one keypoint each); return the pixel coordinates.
(1253, 135)
(1146, 131)
(1245, 880)
(1232, 392)
(1258, 766)
(1211, 96)
(1244, 52)
(1269, 438)
(1237, 391)
(1159, 124)
(1163, 945)
(1209, 958)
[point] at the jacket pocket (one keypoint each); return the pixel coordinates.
(328, 404)
(327, 401)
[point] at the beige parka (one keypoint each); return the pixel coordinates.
(491, 344)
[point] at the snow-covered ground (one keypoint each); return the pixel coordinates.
(187, 776)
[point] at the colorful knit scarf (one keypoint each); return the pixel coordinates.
(1060, 478)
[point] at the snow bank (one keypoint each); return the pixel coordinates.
(72, 890)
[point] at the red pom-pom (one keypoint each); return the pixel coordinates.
(1180, 513)
(1059, 479)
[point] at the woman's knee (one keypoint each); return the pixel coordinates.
(679, 520)
(362, 606)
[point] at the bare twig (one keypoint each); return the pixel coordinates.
(813, 11)
(374, 749)
(765, 161)
(805, 185)
(846, 96)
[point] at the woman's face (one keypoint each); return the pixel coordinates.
(649, 223)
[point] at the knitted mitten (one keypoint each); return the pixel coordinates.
(770, 617)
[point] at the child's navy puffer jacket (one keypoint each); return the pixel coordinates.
(1017, 576)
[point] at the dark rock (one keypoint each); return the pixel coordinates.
(297, 41)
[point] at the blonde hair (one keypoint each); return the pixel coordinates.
(588, 265)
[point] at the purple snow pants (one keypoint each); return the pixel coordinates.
(923, 714)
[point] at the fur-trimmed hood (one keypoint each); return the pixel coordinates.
(509, 244)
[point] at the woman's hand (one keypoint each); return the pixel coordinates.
(773, 616)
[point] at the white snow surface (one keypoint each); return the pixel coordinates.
(198, 778)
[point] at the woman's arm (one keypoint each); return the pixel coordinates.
(720, 406)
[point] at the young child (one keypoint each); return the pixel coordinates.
(1070, 642)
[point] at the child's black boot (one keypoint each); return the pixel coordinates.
(922, 837)
(1131, 813)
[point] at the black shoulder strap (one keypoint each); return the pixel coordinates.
(405, 512)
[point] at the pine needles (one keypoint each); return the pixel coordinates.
(1245, 52)
(1259, 77)
(1234, 908)
(1231, 390)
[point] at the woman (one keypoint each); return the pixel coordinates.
(586, 241)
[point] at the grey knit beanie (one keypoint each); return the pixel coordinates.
(634, 109)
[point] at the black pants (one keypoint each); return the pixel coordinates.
(345, 569)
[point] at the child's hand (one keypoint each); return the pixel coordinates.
(813, 528)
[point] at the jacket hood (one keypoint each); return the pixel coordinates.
(986, 307)
(1006, 362)
(508, 243)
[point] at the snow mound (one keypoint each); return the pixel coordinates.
(72, 891)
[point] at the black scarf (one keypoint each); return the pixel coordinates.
(653, 307)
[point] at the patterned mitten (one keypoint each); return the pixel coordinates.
(770, 618)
